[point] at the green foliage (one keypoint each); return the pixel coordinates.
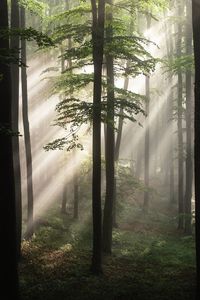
(76, 31)
(131, 49)
(65, 143)
(34, 6)
(56, 261)
(75, 107)
(29, 34)
(177, 64)
(143, 6)
(70, 15)
(67, 83)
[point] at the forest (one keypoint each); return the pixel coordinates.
(100, 149)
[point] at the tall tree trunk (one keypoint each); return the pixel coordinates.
(110, 143)
(8, 252)
(98, 15)
(189, 161)
(118, 143)
(116, 155)
(171, 152)
(27, 138)
(63, 68)
(139, 161)
(169, 44)
(64, 199)
(146, 154)
(76, 197)
(196, 22)
(14, 44)
(180, 129)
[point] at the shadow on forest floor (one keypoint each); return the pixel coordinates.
(150, 261)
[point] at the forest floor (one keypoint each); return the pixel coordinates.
(150, 260)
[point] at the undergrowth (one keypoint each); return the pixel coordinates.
(150, 260)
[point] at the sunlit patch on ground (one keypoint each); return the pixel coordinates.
(146, 263)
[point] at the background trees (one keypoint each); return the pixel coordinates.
(96, 78)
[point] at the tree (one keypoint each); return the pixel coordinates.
(76, 196)
(181, 65)
(27, 138)
(98, 15)
(110, 140)
(146, 147)
(195, 24)
(9, 269)
(64, 199)
(170, 122)
(179, 123)
(74, 111)
(15, 45)
(189, 160)
(116, 155)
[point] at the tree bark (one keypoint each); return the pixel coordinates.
(27, 138)
(116, 156)
(146, 154)
(8, 252)
(15, 45)
(98, 15)
(64, 199)
(189, 160)
(110, 143)
(169, 43)
(180, 129)
(196, 22)
(76, 197)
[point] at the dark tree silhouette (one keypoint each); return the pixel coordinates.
(179, 124)
(196, 35)
(15, 45)
(110, 143)
(189, 158)
(9, 274)
(147, 135)
(27, 138)
(98, 15)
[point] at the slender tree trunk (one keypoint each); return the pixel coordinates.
(118, 143)
(139, 161)
(155, 166)
(62, 58)
(64, 194)
(171, 155)
(189, 160)
(116, 153)
(170, 120)
(172, 199)
(76, 197)
(27, 138)
(110, 144)
(196, 22)
(8, 252)
(98, 15)
(64, 199)
(69, 65)
(14, 44)
(180, 129)
(146, 155)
